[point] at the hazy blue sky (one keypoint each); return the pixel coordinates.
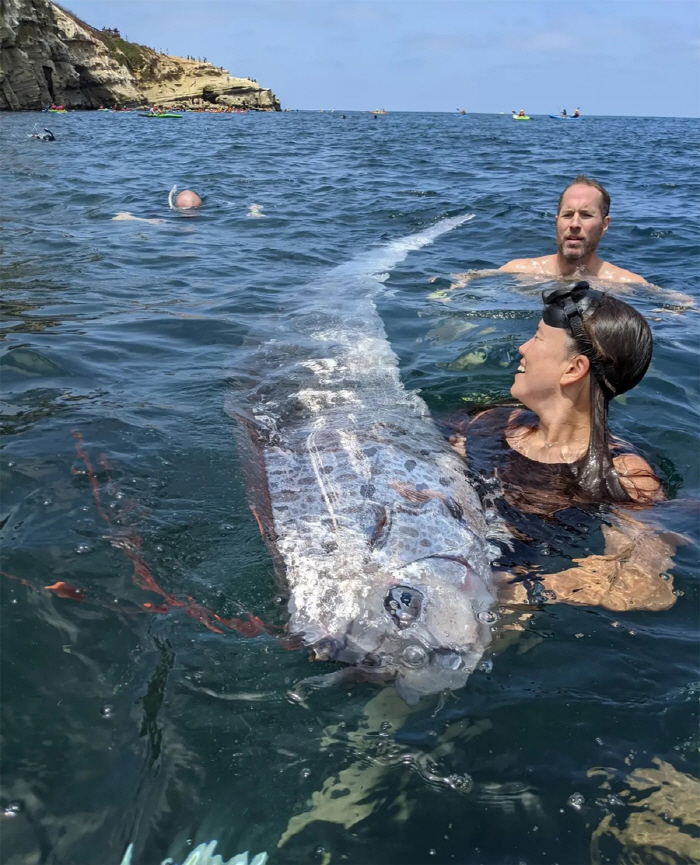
(639, 57)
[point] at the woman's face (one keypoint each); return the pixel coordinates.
(544, 359)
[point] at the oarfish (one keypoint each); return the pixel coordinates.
(369, 513)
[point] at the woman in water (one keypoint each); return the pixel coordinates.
(557, 463)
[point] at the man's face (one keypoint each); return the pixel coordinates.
(580, 222)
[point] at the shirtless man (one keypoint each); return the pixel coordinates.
(582, 219)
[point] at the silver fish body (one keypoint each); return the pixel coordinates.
(381, 535)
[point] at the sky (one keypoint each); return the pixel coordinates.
(608, 57)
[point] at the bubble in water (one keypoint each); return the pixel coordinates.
(487, 616)
(107, 711)
(305, 773)
(461, 783)
(614, 801)
(432, 851)
(12, 809)
(47, 502)
(385, 726)
(486, 665)
(119, 495)
(576, 801)
(83, 548)
(599, 740)
(666, 577)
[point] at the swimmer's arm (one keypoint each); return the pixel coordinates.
(632, 574)
(612, 274)
(537, 266)
(124, 216)
(461, 279)
(638, 478)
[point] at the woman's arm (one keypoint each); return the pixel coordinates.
(632, 574)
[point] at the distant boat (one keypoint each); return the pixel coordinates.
(378, 111)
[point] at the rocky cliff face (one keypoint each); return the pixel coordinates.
(47, 55)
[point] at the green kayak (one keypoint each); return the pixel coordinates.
(164, 114)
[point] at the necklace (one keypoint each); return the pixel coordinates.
(548, 445)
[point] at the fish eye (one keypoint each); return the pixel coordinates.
(414, 656)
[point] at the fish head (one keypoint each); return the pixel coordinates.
(428, 632)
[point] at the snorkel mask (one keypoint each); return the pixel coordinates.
(566, 308)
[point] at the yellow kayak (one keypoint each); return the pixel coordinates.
(521, 117)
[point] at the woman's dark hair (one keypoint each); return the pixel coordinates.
(618, 343)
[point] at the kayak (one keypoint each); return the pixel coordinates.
(164, 114)
(564, 117)
(520, 117)
(57, 110)
(459, 114)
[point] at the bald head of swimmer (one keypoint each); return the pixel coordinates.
(187, 198)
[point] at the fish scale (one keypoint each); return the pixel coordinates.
(382, 536)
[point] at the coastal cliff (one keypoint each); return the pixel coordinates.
(47, 55)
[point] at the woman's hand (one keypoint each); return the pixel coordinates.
(633, 574)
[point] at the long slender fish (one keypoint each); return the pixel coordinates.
(368, 512)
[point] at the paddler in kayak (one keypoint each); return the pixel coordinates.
(521, 113)
(577, 113)
(581, 221)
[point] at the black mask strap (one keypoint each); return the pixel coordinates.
(564, 308)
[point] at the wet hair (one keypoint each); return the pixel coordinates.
(582, 180)
(618, 343)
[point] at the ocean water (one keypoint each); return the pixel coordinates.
(130, 714)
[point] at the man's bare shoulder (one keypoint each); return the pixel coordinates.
(613, 273)
(543, 264)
